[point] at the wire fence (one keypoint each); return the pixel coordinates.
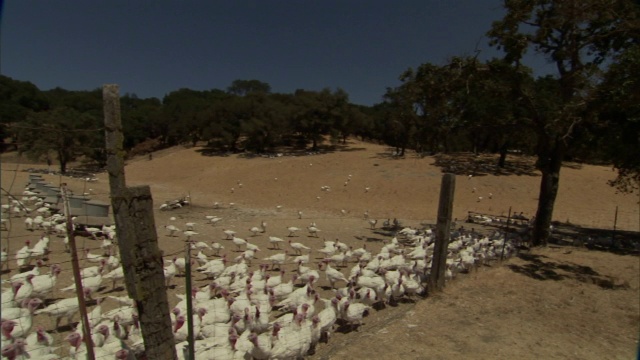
(210, 332)
(376, 237)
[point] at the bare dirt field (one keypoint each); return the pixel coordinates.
(560, 302)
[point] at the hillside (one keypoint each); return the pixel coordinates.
(555, 302)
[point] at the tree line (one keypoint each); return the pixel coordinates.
(586, 111)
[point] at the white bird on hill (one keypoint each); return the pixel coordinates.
(169, 273)
(200, 245)
(275, 241)
(255, 230)
(189, 234)
(172, 229)
(217, 247)
(63, 308)
(213, 220)
(201, 258)
(292, 230)
(298, 247)
(333, 275)
(229, 233)
(277, 259)
(23, 255)
(313, 230)
(238, 241)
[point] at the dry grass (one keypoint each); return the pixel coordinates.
(550, 303)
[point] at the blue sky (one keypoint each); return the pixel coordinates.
(154, 47)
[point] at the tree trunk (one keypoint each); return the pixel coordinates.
(503, 155)
(62, 159)
(550, 166)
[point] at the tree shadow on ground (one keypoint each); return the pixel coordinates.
(541, 267)
(283, 151)
(485, 164)
(619, 242)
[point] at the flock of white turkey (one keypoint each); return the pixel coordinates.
(246, 307)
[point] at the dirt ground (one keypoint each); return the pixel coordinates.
(557, 302)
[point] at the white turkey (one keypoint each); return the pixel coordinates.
(213, 268)
(23, 255)
(92, 271)
(39, 343)
(293, 341)
(92, 258)
(306, 274)
(217, 314)
(169, 273)
(367, 296)
(299, 247)
(301, 259)
(328, 317)
(229, 233)
(313, 231)
(255, 230)
(78, 350)
(180, 264)
(35, 272)
(122, 316)
(292, 230)
(279, 259)
(201, 258)
(238, 242)
(63, 308)
(25, 290)
(200, 246)
(332, 274)
(189, 234)
(172, 229)
(216, 247)
(261, 345)
(115, 276)
(284, 289)
(354, 313)
(92, 283)
(275, 242)
(273, 281)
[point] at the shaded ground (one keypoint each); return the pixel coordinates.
(485, 164)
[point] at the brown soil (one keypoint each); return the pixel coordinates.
(554, 302)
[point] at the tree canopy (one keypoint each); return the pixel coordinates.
(580, 38)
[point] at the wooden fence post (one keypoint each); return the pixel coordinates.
(137, 239)
(445, 212)
(615, 225)
(82, 306)
(190, 337)
(506, 234)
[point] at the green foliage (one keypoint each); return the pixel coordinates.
(620, 118)
(580, 38)
(316, 113)
(61, 134)
(17, 99)
(140, 119)
(246, 87)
